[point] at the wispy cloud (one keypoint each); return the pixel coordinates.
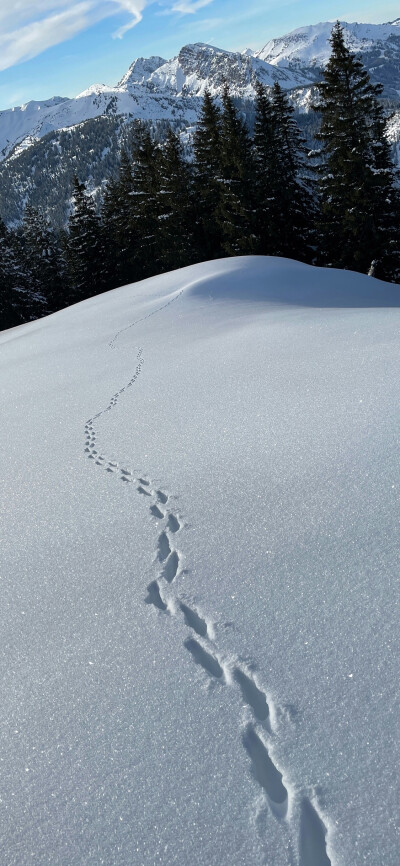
(189, 7)
(135, 9)
(29, 27)
(34, 36)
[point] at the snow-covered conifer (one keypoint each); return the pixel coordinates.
(206, 146)
(235, 210)
(84, 247)
(358, 201)
(42, 258)
(175, 207)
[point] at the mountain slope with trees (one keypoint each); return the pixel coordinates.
(68, 133)
(241, 193)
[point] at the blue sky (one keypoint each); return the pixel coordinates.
(60, 47)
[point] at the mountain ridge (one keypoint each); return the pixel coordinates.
(162, 92)
(295, 60)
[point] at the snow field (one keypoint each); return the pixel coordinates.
(207, 665)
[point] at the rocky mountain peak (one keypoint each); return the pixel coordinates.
(141, 70)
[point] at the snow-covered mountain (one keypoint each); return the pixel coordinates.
(155, 88)
(199, 563)
(308, 49)
(66, 132)
(152, 89)
(310, 45)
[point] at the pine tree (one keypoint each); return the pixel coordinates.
(175, 207)
(235, 210)
(119, 241)
(387, 202)
(42, 258)
(358, 202)
(143, 218)
(84, 248)
(20, 300)
(110, 212)
(8, 317)
(266, 163)
(125, 236)
(284, 204)
(206, 146)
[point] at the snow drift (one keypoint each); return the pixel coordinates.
(199, 560)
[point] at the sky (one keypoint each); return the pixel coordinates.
(60, 47)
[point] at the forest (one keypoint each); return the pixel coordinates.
(237, 193)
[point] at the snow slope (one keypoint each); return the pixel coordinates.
(152, 89)
(310, 45)
(199, 563)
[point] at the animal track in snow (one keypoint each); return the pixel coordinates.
(144, 492)
(252, 695)
(193, 620)
(173, 523)
(143, 319)
(154, 596)
(170, 569)
(313, 834)
(203, 658)
(156, 512)
(266, 773)
(312, 841)
(164, 549)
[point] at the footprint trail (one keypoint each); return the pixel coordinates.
(290, 810)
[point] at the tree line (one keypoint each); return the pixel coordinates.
(240, 194)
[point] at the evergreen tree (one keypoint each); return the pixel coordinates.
(206, 146)
(20, 300)
(294, 210)
(8, 317)
(266, 172)
(358, 201)
(235, 209)
(144, 204)
(175, 207)
(119, 243)
(109, 225)
(124, 234)
(42, 258)
(84, 247)
(387, 201)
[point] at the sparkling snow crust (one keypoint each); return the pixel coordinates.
(199, 566)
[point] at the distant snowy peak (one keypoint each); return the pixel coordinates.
(199, 67)
(310, 46)
(93, 90)
(157, 89)
(140, 71)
